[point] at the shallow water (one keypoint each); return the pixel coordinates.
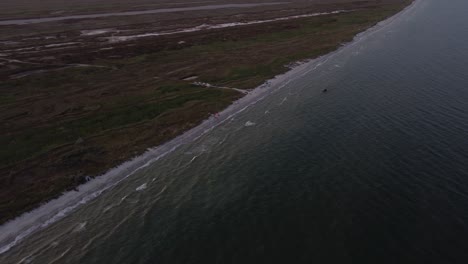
(133, 13)
(373, 171)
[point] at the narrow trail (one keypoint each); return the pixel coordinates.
(207, 85)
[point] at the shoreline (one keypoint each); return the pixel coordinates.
(14, 231)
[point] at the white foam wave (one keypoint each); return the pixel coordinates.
(141, 187)
(80, 227)
(284, 100)
(249, 124)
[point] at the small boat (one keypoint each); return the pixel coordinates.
(324, 90)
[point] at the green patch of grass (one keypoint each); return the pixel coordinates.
(51, 80)
(7, 99)
(29, 143)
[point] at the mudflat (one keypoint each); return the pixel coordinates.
(79, 96)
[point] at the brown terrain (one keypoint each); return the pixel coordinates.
(80, 96)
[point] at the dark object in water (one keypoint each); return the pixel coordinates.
(324, 90)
